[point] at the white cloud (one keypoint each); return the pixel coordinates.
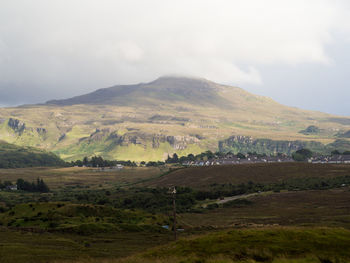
(66, 43)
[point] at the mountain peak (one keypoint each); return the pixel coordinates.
(185, 89)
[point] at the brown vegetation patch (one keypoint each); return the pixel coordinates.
(200, 177)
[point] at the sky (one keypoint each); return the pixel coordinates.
(294, 51)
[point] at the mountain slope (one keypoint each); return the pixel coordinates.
(12, 156)
(148, 121)
(162, 90)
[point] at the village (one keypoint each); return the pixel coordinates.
(249, 159)
(341, 159)
(234, 160)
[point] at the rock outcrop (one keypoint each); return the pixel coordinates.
(139, 138)
(245, 144)
(17, 125)
(41, 131)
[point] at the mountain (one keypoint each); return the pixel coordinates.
(149, 121)
(162, 90)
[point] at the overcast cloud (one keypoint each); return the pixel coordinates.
(288, 50)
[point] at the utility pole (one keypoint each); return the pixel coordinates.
(173, 192)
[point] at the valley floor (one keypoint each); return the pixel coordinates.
(119, 216)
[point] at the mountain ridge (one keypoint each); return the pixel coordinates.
(165, 88)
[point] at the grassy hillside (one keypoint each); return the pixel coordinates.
(261, 245)
(278, 245)
(12, 156)
(148, 121)
(49, 232)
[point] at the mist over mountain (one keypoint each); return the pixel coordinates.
(149, 121)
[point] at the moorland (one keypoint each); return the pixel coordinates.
(274, 212)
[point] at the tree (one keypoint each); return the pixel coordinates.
(183, 159)
(220, 154)
(240, 155)
(175, 158)
(168, 160)
(151, 163)
(302, 155)
(79, 163)
(39, 186)
(335, 152)
(209, 154)
(191, 157)
(85, 161)
(20, 184)
(42, 187)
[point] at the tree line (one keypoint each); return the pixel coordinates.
(36, 186)
(98, 161)
(303, 155)
(208, 155)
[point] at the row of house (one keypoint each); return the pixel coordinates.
(345, 159)
(10, 188)
(111, 168)
(230, 160)
(236, 160)
(107, 168)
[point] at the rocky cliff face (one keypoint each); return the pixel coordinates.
(246, 144)
(181, 142)
(19, 127)
(139, 138)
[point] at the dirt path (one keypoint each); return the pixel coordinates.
(235, 197)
